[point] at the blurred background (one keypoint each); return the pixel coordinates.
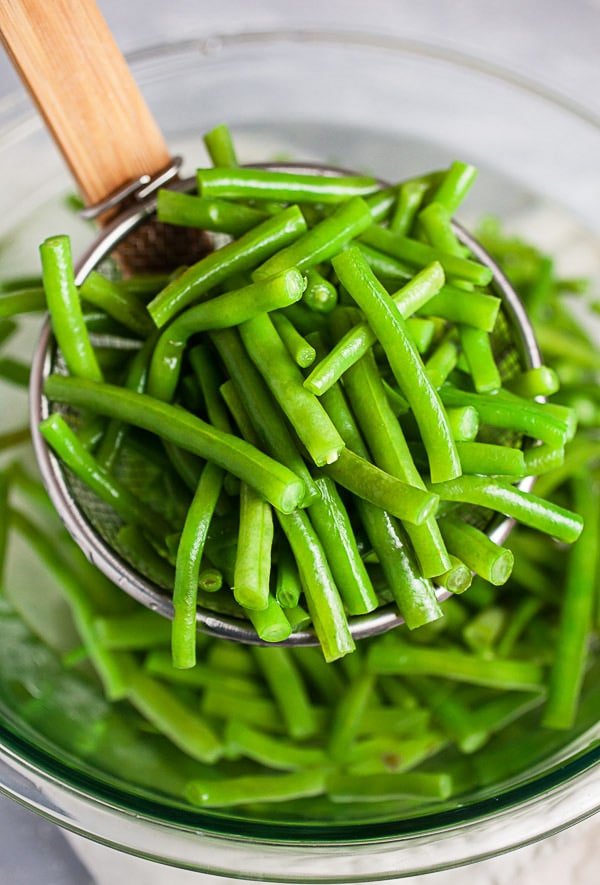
(551, 43)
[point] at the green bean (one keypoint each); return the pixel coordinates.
(278, 484)
(451, 714)
(457, 578)
(529, 509)
(410, 197)
(185, 728)
(240, 255)
(419, 254)
(397, 657)
(219, 144)
(320, 294)
(413, 592)
(388, 270)
(283, 377)
(270, 623)
(389, 326)
(242, 739)
(527, 609)
(478, 457)
(298, 347)
(347, 717)
(324, 679)
(380, 787)
(531, 418)
(435, 222)
(187, 567)
(442, 361)
(408, 502)
(332, 524)
(540, 381)
(286, 187)
(221, 216)
(221, 311)
(228, 792)
(390, 451)
(248, 393)
(287, 688)
(30, 300)
(320, 242)
(464, 424)
(288, 588)
(477, 350)
(65, 309)
(123, 306)
(421, 331)
(65, 444)
(253, 561)
(476, 309)
(455, 185)
(568, 667)
(543, 458)
(322, 596)
(476, 550)
(356, 342)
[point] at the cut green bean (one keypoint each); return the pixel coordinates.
(221, 311)
(529, 509)
(250, 401)
(357, 341)
(322, 596)
(476, 550)
(270, 623)
(389, 325)
(219, 144)
(394, 656)
(320, 294)
(229, 792)
(21, 301)
(221, 216)
(273, 752)
(286, 685)
(286, 187)
(64, 305)
(298, 347)
(253, 562)
(187, 567)
(242, 254)
(186, 729)
(378, 788)
(347, 717)
(420, 254)
(275, 481)
(477, 350)
(118, 303)
(332, 524)
(283, 377)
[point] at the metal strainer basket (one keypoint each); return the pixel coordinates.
(94, 525)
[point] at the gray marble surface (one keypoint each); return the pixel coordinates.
(554, 42)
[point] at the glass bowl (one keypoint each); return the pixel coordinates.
(362, 102)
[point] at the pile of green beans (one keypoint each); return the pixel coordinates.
(411, 723)
(327, 388)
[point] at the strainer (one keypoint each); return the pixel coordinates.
(125, 242)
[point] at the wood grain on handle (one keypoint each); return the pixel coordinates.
(81, 84)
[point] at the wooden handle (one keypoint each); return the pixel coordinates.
(80, 81)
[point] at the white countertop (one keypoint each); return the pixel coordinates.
(551, 41)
